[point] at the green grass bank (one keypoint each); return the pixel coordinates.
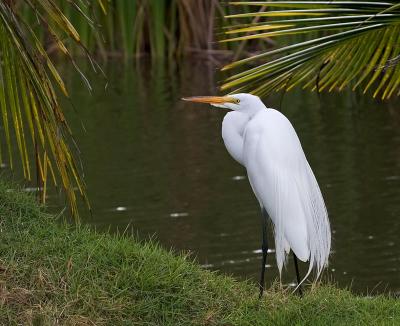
(52, 273)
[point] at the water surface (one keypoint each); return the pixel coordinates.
(158, 165)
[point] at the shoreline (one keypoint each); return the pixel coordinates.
(55, 273)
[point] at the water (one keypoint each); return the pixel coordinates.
(158, 165)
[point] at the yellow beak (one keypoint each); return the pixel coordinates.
(210, 99)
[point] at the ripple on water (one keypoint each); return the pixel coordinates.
(237, 262)
(181, 214)
(259, 251)
(393, 177)
(238, 177)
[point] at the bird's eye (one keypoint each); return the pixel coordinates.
(237, 101)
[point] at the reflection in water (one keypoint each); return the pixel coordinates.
(159, 165)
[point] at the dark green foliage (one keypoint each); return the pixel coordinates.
(161, 28)
(137, 27)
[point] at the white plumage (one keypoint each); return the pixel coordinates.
(266, 144)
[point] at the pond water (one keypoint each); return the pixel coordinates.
(158, 166)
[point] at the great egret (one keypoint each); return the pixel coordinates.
(264, 141)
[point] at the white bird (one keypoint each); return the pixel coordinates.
(264, 141)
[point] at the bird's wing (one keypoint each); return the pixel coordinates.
(285, 185)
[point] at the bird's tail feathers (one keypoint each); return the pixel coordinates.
(318, 227)
(315, 216)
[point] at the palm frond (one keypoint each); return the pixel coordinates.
(344, 43)
(29, 104)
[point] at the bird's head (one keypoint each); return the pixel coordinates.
(236, 102)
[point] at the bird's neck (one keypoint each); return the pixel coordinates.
(252, 110)
(233, 128)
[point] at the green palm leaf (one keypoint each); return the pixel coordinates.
(29, 105)
(343, 44)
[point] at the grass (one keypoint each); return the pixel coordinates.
(54, 273)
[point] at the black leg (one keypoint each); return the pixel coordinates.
(296, 266)
(264, 248)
